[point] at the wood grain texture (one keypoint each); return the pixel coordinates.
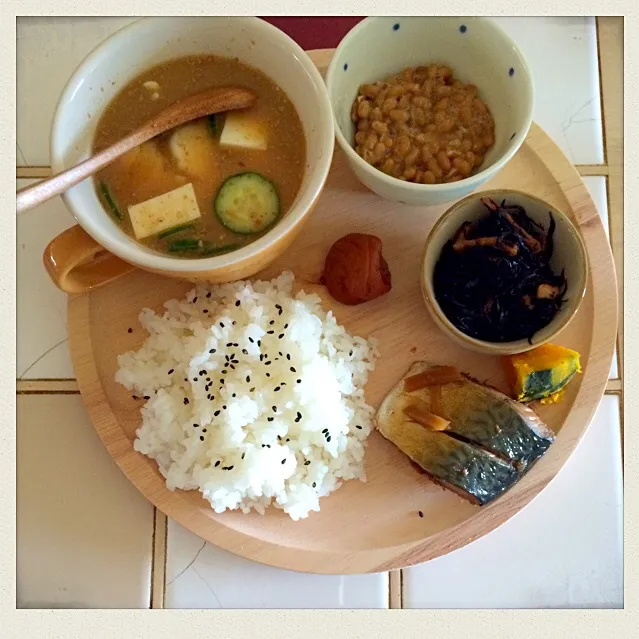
(610, 36)
(372, 526)
(190, 108)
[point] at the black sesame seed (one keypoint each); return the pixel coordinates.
(208, 296)
(217, 463)
(270, 332)
(135, 397)
(146, 397)
(208, 379)
(195, 379)
(283, 462)
(202, 373)
(224, 407)
(328, 439)
(225, 371)
(234, 344)
(288, 356)
(234, 322)
(185, 379)
(270, 419)
(293, 369)
(288, 440)
(251, 340)
(229, 468)
(233, 395)
(307, 462)
(204, 430)
(171, 371)
(243, 455)
(212, 397)
(221, 324)
(261, 356)
(216, 413)
(196, 425)
(259, 343)
(314, 484)
(263, 445)
(325, 430)
(244, 351)
(279, 312)
(252, 389)
(285, 325)
(358, 427)
(205, 310)
(229, 346)
(274, 409)
(420, 513)
(212, 351)
(268, 374)
(130, 330)
(350, 353)
(299, 416)
(280, 336)
(276, 389)
(248, 379)
(194, 300)
(237, 303)
(299, 381)
(271, 322)
(201, 438)
(222, 381)
(278, 306)
(267, 363)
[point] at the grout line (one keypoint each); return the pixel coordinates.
(158, 559)
(394, 589)
(46, 386)
(592, 169)
(32, 172)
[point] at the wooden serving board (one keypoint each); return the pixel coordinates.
(372, 526)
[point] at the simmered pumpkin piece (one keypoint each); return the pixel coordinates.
(542, 372)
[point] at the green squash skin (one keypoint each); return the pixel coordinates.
(539, 385)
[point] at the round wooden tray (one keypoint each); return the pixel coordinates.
(371, 526)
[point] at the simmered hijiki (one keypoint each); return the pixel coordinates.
(209, 186)
(493, 279)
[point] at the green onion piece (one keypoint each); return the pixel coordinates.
(176, 229)
(210, 251)
(111, 201)
(215, 124)
(186, 244)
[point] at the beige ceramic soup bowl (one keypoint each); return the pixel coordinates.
(96, 250)
(569, 254)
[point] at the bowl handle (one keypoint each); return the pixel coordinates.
(77, 263)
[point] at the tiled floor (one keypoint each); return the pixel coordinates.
(84, 533)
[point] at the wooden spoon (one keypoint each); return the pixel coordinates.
(191, 108)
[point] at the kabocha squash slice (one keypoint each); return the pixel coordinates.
(542, 373)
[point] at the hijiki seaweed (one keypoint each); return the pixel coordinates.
(493, 279)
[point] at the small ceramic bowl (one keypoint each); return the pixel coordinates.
(569, 254)
(97, 250)
(477, 50)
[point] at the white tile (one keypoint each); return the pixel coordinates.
(565, 550)
(83, 531)
(562, 55)
(42, 349)
(48, 52)
(199, 575)
(598, 188)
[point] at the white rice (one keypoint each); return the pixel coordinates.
(251, 455)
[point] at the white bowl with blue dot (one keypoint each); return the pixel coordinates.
(477, 50)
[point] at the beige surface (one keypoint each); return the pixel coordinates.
(71, 500)
(378, 529)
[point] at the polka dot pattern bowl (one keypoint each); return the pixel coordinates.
(477, 50)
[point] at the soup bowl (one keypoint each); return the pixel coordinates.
(96, 250)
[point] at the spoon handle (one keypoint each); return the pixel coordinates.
(194, 106)
(32, 196)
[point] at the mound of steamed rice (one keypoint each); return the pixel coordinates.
(255, 396)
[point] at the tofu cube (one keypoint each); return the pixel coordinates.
(243, 130)
(165, 211)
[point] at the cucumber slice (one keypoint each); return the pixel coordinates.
(247, 203)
